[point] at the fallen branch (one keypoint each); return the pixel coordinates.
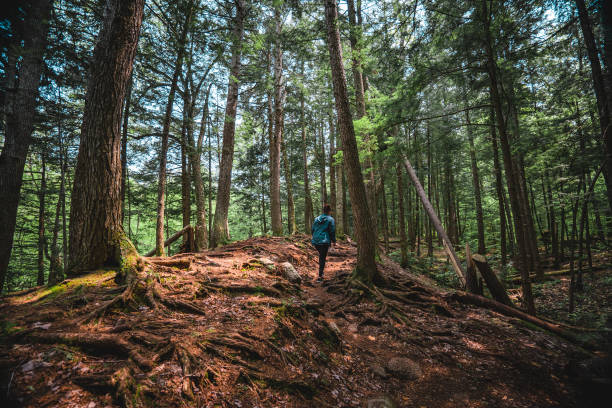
(494, 305)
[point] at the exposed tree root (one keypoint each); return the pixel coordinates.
(239, 343)
(98, 383)
(125, 388)
(291, 385)
(186, 386)
(176, 304)
(266, 290)
(95, 343)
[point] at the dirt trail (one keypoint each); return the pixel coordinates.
(224, 328)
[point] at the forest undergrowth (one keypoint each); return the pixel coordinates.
(224, 328)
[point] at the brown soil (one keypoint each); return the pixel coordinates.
(221, 329)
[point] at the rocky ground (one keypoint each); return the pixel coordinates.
(237, 327)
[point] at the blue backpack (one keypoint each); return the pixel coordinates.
(323, 230)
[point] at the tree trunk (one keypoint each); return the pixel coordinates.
(599, 86)
(291, 227)
(321, 156)
(346, 225)
(354, 16)
(19, 111)
(429, 181)
(402, 220)
(308, 210)
(332, 167)
(262, 182)
(528, 222)
(366, 243)
(554, 237)
(220, 233)
(210, 180)
(606, 32)
(55, 264)
(41, 222)
(96, 234)
(508, 162)
(277, 133)
(124, 137)
(341, 227)
(476, 183)
(452, 228)
(186, 135)
(385, 215)
(163, 155)
(392, 225)
(201, 233)
(354, 36)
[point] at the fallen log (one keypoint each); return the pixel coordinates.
(173, 238)
(560, 272)
(496, 306)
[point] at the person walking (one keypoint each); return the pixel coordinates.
(323, 236)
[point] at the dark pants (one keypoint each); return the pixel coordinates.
(322, 255)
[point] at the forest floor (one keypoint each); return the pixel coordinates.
(224, 328)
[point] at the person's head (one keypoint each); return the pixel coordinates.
(326, 209)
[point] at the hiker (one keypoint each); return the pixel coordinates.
(323, 236)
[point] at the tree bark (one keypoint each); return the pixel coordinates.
(599, 85)
(201, 233)
(55, 264)
(554, 237)
(452, 227)
(124, 137)
(19, 110)
(163, 154)
(262, 183)
(220, 233)
(40, 280)
(385, 215)
(476, 183)
(513, 183)
(332, 166)
(308, 210)
(359, 84)
(606, 31)
(321, 157)
(429, 182)
(291, 226)
(277, 134)
(366, 243)
(96, 234)
(402, 219)
(186, 136)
